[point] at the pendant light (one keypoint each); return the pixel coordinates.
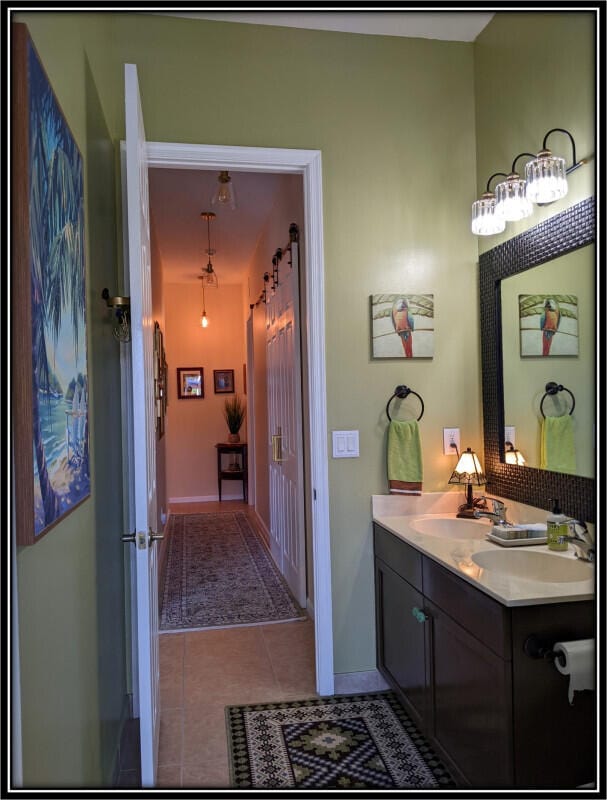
(224, 195)
(209, 277)
(204, 320)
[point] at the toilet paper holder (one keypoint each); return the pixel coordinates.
(536, 647)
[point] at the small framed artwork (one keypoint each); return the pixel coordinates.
(402, 325)
(548, 324)
(190, 383)
(224, 381)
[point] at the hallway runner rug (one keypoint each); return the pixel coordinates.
(360, 741)
(219, 573)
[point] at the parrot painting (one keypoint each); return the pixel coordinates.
(403, 324)
(549, 323)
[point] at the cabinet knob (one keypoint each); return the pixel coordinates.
(418, 614)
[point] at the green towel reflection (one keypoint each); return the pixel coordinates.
(557, 444)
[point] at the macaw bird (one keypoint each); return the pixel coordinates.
(549, 323)
(403, 324)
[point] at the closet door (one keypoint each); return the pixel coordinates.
(287, 532)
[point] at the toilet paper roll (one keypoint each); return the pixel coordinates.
(579, 664)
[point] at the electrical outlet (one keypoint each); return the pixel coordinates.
(451, 436)
(509, 434)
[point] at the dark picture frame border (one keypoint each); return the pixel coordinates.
(217, 378)
(181, 374)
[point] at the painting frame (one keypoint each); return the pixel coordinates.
(223, 381)
(402, 325)
(160, 380)
(190, 383)
(49, 369)
(548, 325)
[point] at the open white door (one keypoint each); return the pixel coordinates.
(283, 365)
(143, 427)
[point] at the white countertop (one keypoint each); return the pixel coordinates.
(395, 512)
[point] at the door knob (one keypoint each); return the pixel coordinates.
(129, 537)
(154, 537)
(419, 615)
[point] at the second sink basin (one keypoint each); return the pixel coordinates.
(534, 566)
(450, 527)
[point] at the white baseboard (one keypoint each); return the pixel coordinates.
(357, 682)
(206, 498)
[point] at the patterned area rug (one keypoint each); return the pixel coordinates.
(220, 573)
(345, 742)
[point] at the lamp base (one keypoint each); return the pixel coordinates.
(466, 512)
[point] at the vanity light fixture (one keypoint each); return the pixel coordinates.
(511, 201)
(513, 456)
(224, 194)
(209, 276)
(485, 222)
(468, 471)
(545, 181)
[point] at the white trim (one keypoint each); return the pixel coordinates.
(308, 164)
(360, 682)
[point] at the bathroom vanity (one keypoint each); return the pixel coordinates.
(452, 621)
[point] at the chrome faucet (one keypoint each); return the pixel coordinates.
(498, 513)
(581, 540)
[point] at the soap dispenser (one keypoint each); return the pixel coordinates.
(557, 529)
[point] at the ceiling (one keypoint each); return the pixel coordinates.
(178, 196)
(459, 26)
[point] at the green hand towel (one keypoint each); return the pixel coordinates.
(557, 444)
(405, 471)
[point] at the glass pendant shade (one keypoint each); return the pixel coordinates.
(485, 221)
(514, 457)
(224, 194)
(511, 202)
(546, 178)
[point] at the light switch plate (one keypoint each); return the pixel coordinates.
(345, 444)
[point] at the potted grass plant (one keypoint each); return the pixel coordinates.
(234, 413)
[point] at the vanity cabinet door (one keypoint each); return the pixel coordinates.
(401, 634)
(472, 703)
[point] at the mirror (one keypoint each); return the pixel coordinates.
(564, 233)
(568, 284)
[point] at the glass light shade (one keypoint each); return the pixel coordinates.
(514, 457)
(468, 469)
(224, 194)
(511, 202)
(546, 178)
(485, 221)
(209, 278)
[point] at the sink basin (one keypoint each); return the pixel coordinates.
(534, 566)
(450, 527)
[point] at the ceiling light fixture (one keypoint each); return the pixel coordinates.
(224, 195)
(204, 320)
(209, 277)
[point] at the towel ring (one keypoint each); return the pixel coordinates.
(401, 392)
(553, 388)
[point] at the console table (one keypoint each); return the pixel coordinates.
(239, 474)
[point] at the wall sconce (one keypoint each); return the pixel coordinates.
(468, 471)
(513, 456)
(122, 326)
(224, 194)
(545, 181)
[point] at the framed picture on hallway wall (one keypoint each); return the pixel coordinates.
(190, 383)
(224, 381)
(49, 391)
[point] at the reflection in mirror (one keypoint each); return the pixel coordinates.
(559, 235)
(567, 284)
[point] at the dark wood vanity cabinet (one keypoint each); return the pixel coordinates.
(456, 658)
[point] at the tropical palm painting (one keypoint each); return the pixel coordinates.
(402, 325)
(548, 324)
(59, 359)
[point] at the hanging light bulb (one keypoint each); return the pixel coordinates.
(209, 276)
(204, 320)
(224, 194)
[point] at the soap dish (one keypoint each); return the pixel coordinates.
(523, 537)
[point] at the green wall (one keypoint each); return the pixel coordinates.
(395, 121)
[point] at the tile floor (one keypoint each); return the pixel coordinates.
(202, 672)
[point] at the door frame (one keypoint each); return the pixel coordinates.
(307, 163)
